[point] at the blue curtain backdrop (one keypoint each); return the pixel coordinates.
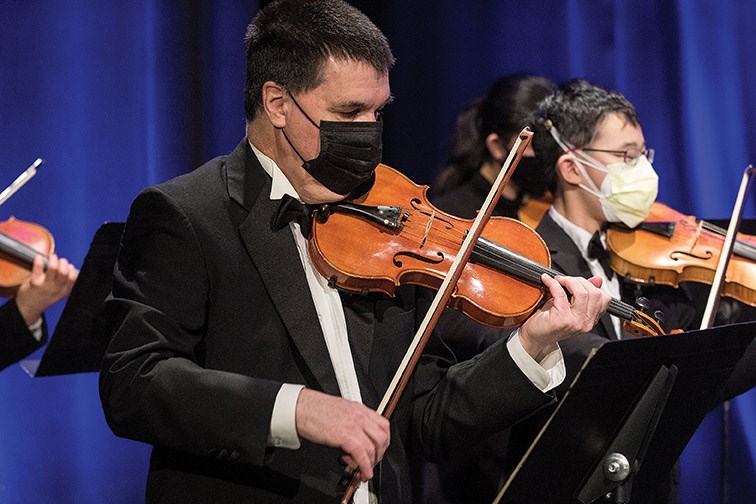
(119, 95)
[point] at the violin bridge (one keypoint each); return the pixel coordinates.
(699, 228)
(428, 228)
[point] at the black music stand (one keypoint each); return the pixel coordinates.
(80, 337)
(641, 399)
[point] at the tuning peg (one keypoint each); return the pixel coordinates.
(642, 304)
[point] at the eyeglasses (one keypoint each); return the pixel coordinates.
(629, 156)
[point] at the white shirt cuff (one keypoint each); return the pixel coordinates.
(545, 375)
(36, 329)
(283, 420)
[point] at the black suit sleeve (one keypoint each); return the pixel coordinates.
(475, 399)
(153, 386)
(459, 404)
(16, 341)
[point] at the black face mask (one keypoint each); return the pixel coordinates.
(530, 176)
(349, 153)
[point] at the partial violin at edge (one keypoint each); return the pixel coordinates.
(671, 247)
(20, 242)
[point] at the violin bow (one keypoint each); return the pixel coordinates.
(710, 313)
(413, 353)
(724, 257)
(20, 181)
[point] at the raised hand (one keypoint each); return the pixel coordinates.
(45, 287)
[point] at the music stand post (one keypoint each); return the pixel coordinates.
(643, 398)
(622, 460)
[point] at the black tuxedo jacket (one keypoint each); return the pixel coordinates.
(16, 341)
(211, 312)
(566, 257)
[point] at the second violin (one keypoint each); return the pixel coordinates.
(671, 247)
(20, 242)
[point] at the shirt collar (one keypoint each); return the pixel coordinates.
(280, 185)
(580, 236)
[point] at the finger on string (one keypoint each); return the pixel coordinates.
(558, 294)
(596, 281)
(38, 265)
(578, 289)
(38, 269)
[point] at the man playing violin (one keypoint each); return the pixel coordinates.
(253, 378)
(22, 325)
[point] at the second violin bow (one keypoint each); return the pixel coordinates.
(20, 181)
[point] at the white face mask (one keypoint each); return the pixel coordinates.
(627, 192)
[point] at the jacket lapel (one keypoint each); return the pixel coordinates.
(566, 258)
(277, 261)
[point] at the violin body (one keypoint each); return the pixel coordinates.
(532, 211)
(20, 241)
(364, 255)
(670, 247)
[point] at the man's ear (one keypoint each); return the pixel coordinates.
(568, 171)
(274, 101)
(496, 147)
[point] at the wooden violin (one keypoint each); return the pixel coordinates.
(396, 236)
(533, 209)
(20, 243)
(670, 247)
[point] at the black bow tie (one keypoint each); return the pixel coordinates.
(597, 251)
(290, 209)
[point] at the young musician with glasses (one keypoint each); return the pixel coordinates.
(592, 144)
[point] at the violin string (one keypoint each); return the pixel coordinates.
(740, 248)
(453, 233)
(439, 235)
(517, 265)
(532, 270)
(17, 250)
(436, 235)
(714, 228)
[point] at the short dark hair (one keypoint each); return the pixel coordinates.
(505, 109)
(288, 42)
(575, 109)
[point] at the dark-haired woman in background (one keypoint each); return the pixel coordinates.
(484, 134)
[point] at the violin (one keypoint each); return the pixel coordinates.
(533, 209)
(671, 247)
(395, 236)
(20, 243)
